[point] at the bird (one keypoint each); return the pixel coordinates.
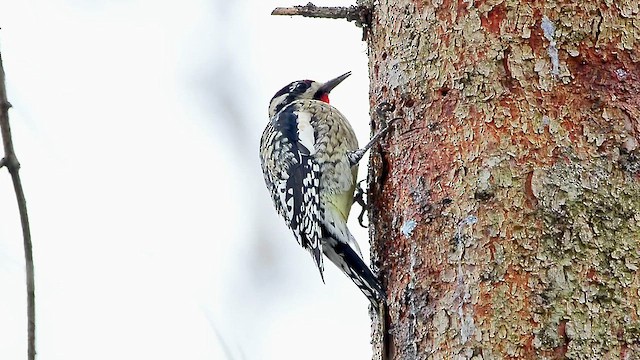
(309, 157)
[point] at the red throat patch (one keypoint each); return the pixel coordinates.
(325, 98)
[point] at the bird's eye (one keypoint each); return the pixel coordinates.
(300, 86)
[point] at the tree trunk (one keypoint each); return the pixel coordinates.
(506, 203)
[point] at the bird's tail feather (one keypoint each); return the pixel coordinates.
(353, 266)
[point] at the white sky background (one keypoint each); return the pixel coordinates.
(137, 124)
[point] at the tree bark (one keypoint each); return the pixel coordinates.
(506, 203)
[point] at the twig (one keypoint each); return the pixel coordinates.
(359, 14)
(11, 162)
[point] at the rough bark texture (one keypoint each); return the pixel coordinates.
(506, 217)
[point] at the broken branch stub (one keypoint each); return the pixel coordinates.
(360, 14)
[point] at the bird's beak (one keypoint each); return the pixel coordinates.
(329, 85)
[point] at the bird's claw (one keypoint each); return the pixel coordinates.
(383, 111)
(385, 107)
(359, 198)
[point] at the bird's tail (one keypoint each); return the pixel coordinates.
(348, 260)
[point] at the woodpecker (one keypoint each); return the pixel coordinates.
(309, 155)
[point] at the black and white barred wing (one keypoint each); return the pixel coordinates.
(293, 176)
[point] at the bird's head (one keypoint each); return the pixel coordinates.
(303, 89)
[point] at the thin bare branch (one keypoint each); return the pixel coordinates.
(11, 162)
(358, 14)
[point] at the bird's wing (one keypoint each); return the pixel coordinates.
(293, 176)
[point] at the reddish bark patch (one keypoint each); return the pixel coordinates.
(408, 102)
(532, 201)
(624, 351)
(463, 8)
(483, 309)
(610, 81)
(443, 12)
(537, 42)
(420, 4)
(591, 275)
(492, 21)
(574, 128)
(561, 350)
(517, 278)
(449, 104)
(606, 71)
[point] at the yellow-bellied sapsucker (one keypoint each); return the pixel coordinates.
(310, 156)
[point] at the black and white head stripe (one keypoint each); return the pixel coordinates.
(295, 88)
(301, 89)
